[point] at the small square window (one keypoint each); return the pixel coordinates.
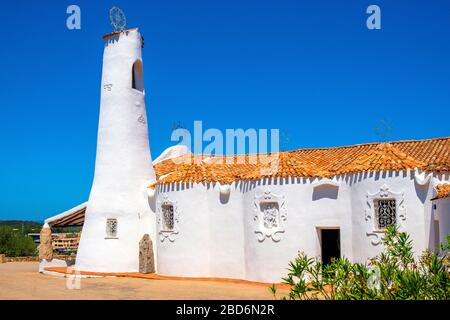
(167, 213)
(111, 228)
(385, 213)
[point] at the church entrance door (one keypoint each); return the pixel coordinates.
(331, 244)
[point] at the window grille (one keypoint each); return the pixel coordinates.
(385, 213)
(111, 228)
(167, 212)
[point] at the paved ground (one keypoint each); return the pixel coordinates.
(20, 280)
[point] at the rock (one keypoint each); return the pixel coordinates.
(2, 258)
(146, 259)
(46, 248)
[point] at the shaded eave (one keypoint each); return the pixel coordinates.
(70, 218)
(442, 191)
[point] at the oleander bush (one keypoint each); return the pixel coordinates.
(393, 275)
(15, 244)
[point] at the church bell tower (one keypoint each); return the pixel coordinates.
(118, 213)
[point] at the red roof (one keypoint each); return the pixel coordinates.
(431, 155)
(442, 191)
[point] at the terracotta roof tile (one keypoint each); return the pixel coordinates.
(283, 164)
(442, 191)
(429, 155)
(383, 157)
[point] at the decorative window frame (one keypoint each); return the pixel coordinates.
(370, 215)
(167, 225)
(261, 231)
(167, 234)
(109, 222)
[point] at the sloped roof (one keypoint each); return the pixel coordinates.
(431, 155)
(382, 157)
(435, 153)
(69, 218)
(442, 191)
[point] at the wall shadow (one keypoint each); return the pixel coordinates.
(325, 191)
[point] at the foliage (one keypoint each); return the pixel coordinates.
(394, 274)
(66, 229)
(14, 244)
(35, 227)
(24, 227)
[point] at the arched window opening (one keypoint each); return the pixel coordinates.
(137, 81)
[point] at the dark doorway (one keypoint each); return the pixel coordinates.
(331, 244)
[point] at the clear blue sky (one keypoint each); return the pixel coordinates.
(310, 68)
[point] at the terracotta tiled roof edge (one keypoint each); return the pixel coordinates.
(442, 191)
(369, 144)
(430, 155)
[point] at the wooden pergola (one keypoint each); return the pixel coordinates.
(70, 218)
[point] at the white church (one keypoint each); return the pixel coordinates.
(232, 217)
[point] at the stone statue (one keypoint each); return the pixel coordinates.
(146, 259)
(46, 248)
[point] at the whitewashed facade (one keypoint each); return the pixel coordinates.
(247, 229)
(217, 238)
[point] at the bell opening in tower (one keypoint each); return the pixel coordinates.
(137, 76)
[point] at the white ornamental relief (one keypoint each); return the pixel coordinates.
(384, 207)
(270, 215)
(168, 218)
(141, 119)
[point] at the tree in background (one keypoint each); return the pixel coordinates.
(13, 243)
(22, 226)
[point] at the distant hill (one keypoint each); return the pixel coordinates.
(34, 227)
(27, 226)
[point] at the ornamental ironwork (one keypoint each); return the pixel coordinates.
(168, 216)
(385, 212)
(117, 18)
(384, 208)
(167, 211)
(111, 228)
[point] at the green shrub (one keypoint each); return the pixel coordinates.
(394, 274)
(14, 244)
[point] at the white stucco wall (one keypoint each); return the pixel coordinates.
(188, 254)
(217, 235)
(414, 198)
(308, 208)
(226, 232)
(123, 166)
(442, 215)
(223, 243)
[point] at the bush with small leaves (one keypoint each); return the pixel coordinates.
(393, 275)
